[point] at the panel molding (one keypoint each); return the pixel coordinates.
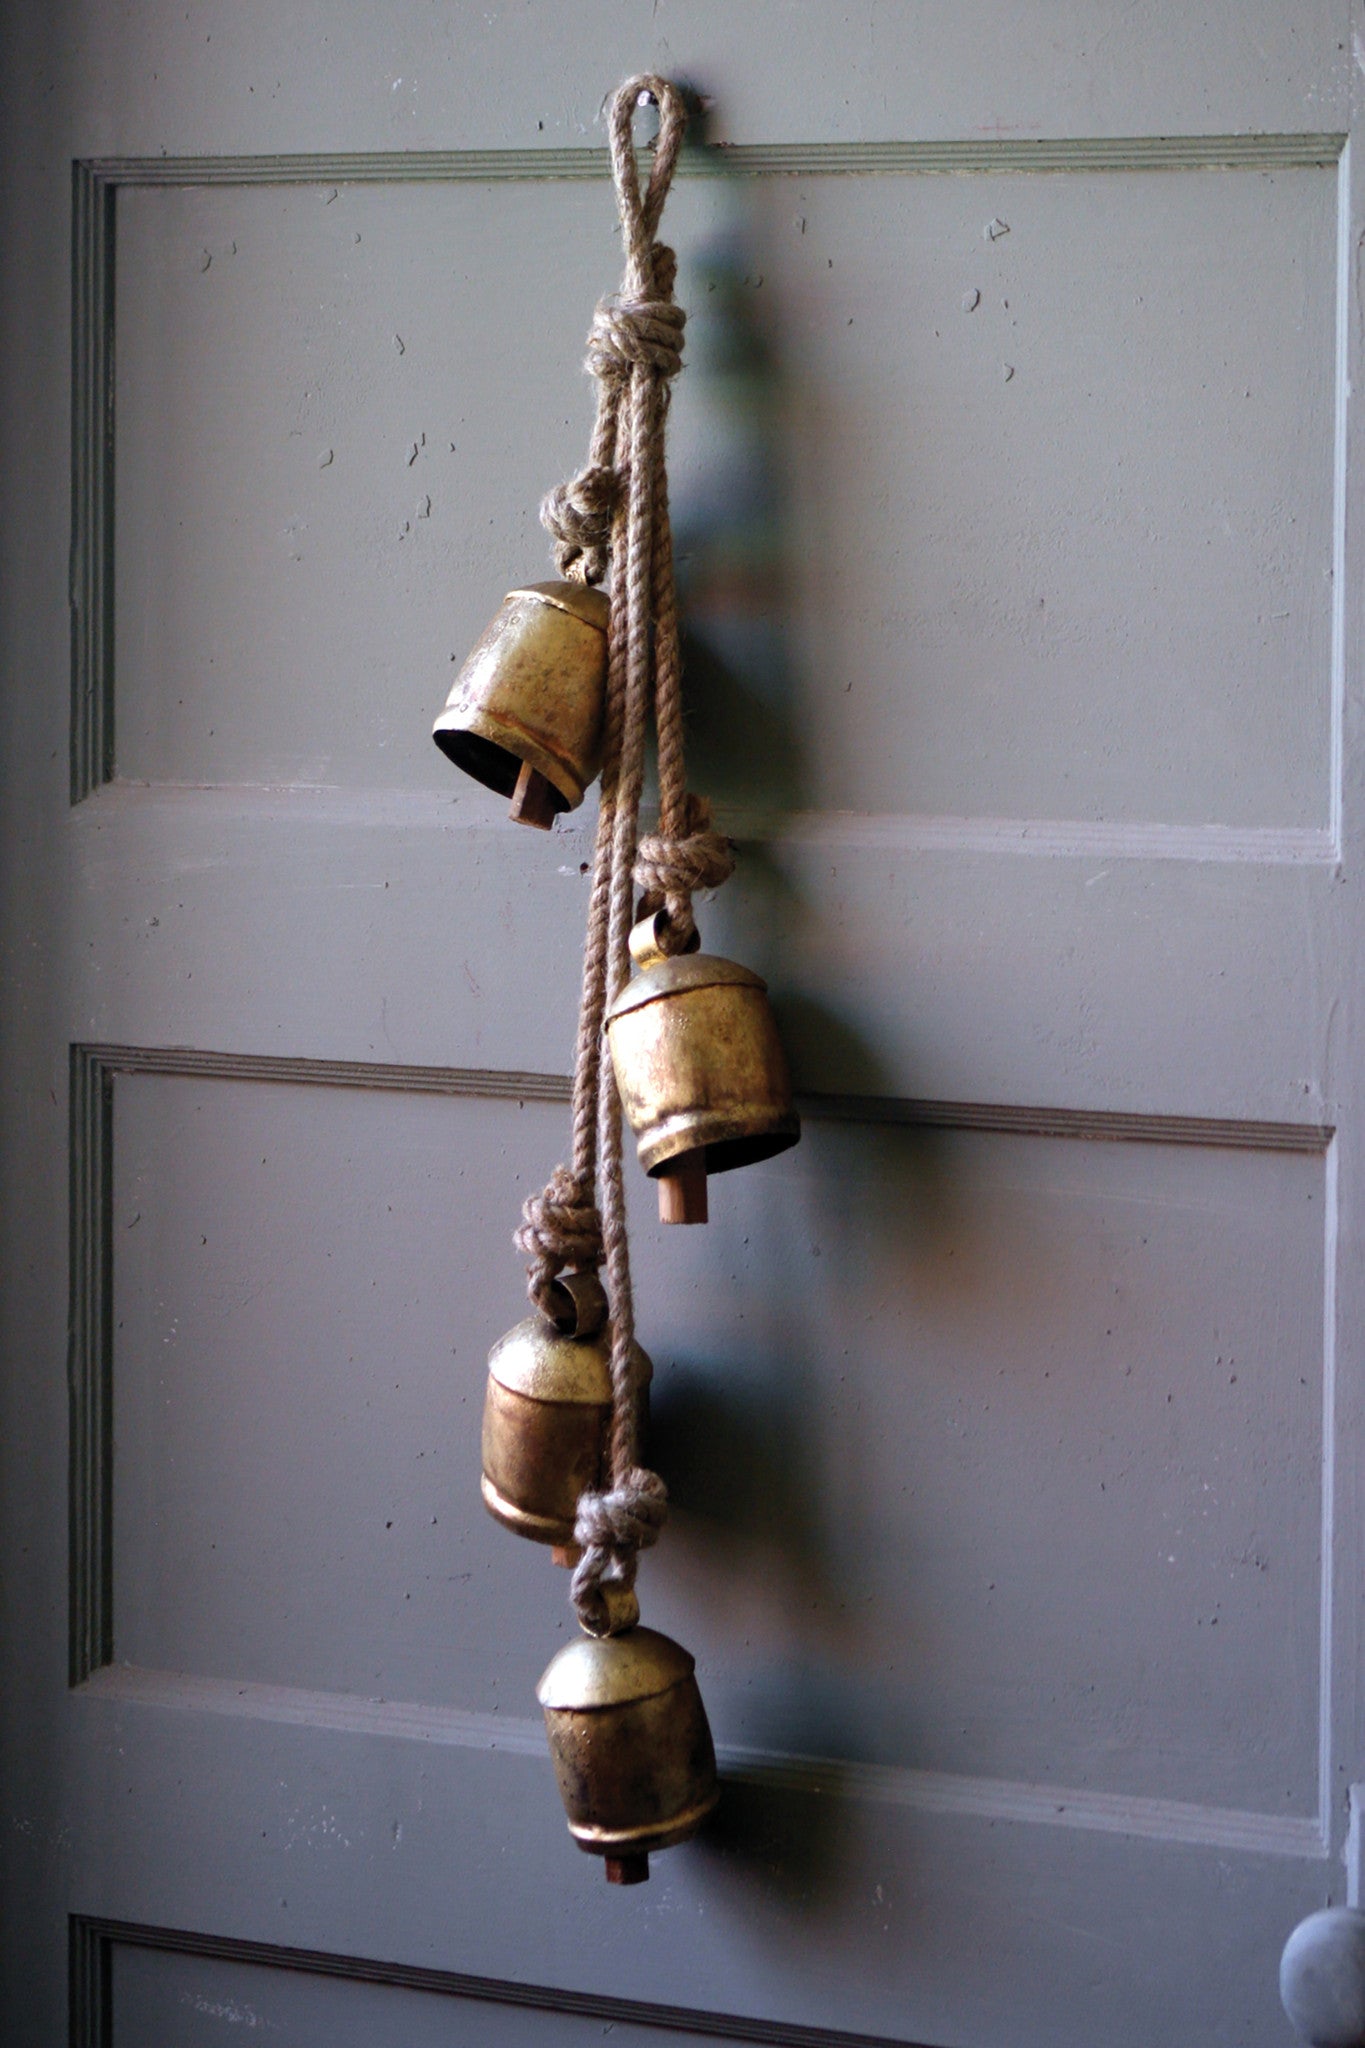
(200, 806)
(90, 1987)
(499, 1084)
(93, 220)
(1345, 267)
(90, 1362)
(1310, 151)
(1328, 1791)
(911, 832)
(996, 1800)
(97, 181)
(91, 1945)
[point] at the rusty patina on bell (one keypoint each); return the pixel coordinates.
(631, 1746)
(525, 715)
(699, 1064)
(546, 1428)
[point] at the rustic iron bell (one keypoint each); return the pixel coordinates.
(631, 1746)
(700, 1069)
(525, 715)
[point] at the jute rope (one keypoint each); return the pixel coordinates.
(614, 513)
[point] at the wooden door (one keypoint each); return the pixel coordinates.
(1013, 1420)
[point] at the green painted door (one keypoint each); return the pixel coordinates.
(1013, 1421)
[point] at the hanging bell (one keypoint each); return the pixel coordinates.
(631, 1746)
(700, 1069)
(546, 1428)
(525, 715)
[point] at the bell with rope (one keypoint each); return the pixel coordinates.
(631, 1746)
(700, 1070)
(627, 1731)
(547, 1419)
(525, 715)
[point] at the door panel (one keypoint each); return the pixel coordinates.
(182, 2002)
(954, 644)
(1082, 1396)
(1011, 1420)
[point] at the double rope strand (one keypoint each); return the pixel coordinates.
(615, 513)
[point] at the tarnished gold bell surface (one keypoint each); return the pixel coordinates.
(631, 1746)
(546, 1423)
(533, 692)
(699, 1064)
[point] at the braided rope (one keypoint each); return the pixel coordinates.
(614, 513)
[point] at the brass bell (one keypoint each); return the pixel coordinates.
(631, 1746)
(525, 715)
(546, 1429)
(700, 1069)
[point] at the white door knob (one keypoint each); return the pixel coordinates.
(1322, 1978)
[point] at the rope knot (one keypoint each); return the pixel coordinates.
(560, 1227)
(668, 868)
(611, 1530)
(579, 515)
(630, 331)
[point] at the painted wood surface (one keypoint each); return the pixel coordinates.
(1013, 1420)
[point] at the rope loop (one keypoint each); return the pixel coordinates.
(560, 1227)
(669, 869)
(640, 216)
(579, 514)
(611, 1530)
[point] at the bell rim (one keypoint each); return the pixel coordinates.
(736, 1139)
(673, 977)
(581, 601)
(533, 1384)
(502, 749)
(536, 1528)
(584, 1665)
(665, 1834)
